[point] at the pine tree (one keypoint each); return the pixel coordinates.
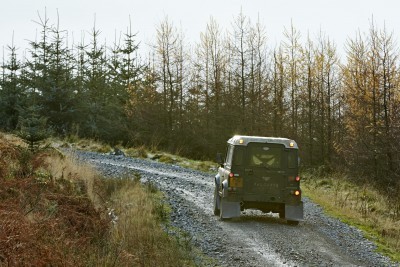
(32, 127)
(12, 92)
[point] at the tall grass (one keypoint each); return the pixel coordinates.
(136, 236)
(136, 212)
(375, 213)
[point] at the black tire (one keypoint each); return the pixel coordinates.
(290, 222)
(216, 197)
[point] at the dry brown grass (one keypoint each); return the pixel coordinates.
(44, 219)
(54, 212)
(363, 206)
(68, 168)
(138, 152)
(87, 144)
(137, 234)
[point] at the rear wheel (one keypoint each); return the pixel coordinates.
(217, 201)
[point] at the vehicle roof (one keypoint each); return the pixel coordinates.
(236, 140)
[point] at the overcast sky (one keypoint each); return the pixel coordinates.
(338, 19)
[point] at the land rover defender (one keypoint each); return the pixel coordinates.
(259, 173)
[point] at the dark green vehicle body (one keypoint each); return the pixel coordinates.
(259, 173)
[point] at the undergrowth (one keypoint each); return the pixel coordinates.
(55, 211)
(376, 214)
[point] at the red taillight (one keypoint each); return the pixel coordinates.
(231, 174)
(294, 179)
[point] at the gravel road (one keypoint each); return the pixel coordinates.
(254, 239)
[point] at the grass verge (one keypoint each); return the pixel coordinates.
(139, 152)
(137, 237)
(377, 215)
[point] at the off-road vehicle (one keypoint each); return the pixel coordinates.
(259, 173)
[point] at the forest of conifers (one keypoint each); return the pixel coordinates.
(343, 110)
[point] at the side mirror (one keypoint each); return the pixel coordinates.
(220, 159)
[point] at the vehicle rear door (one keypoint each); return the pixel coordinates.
(265, 170)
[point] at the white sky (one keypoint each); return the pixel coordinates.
(338, 19)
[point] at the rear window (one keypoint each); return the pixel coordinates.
(264, 155)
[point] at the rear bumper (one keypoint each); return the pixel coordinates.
(264, 198)
(293, 209)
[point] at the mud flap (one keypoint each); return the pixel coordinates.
(294, 212)
(229, 209)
